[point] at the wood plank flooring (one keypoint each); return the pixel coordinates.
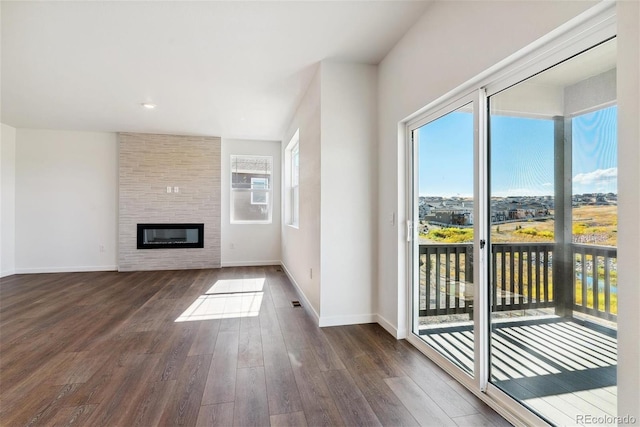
(104, 349)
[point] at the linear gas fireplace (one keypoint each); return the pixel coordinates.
(173, 236)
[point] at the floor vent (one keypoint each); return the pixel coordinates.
(296, 303)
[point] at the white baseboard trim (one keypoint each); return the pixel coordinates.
(402, 334)
(77, 269)
(305, 302)
(7, 273)
(250, 263)
(386, 325)
(350, 319)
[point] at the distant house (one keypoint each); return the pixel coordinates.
(451, 215)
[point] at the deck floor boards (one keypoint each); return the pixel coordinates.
(560, 368)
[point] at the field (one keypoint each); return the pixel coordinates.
(592, 225)
(596, 225)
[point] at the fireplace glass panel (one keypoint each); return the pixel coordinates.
(156, 236)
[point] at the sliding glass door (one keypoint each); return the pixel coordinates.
(553, 155)
(513, 237)
(443, 204)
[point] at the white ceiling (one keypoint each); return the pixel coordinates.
(235, 69)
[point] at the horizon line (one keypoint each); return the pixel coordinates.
(521, 195)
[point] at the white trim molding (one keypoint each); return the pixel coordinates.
(250, 263)
(305, 302)
(70, 269)
(7, 273)
(354, 319)
(388, 326)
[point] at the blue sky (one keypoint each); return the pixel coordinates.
(595, 151)
(521, 155)
(445, 156)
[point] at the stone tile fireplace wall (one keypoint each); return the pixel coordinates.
(148, 165)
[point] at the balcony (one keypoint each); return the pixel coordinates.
(553, 338)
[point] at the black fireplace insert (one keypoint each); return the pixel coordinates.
(170, 236)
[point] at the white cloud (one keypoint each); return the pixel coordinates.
(524, 192)
(596, 176)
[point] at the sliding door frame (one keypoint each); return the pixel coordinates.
(591, 28)
(477, 100)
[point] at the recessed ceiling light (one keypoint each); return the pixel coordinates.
(148, 105)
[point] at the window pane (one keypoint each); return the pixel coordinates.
(251, 188)
(250, 206)
(292, 181)
(595, 177)
(259, 197)
(444, 270)
(553, 192)
(245, 168)
(294, 206)
(295, 165)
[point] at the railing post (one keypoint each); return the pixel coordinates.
(563, 275)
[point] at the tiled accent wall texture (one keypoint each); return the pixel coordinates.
(148, 165)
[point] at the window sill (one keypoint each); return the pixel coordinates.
(250, 222)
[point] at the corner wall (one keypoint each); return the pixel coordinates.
(301, 245)
(348, 193)
(66, 201)
(8, 200)
(250, 244)
(331, 255)
(450, 44)
(148, 165)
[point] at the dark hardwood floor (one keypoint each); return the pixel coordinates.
(104, 349)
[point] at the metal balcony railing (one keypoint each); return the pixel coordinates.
(595, 281)
(522, 278)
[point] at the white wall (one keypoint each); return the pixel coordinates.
(8, 200)
(301, 245)
(66, 201)
(348, 193)
(331, 256)
(450, 44)
(628, 208)
(250, 244)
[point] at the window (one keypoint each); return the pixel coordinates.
(251, 178)
(295, 183)
(259, 197)
(292, 180)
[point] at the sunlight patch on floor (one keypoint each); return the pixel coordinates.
(227, 299)
(237, 285)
